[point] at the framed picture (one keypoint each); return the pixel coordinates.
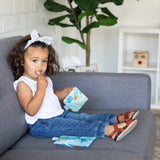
(91, 68)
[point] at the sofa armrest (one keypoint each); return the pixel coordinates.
(109, 90)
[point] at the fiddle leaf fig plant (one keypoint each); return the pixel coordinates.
(83, 15)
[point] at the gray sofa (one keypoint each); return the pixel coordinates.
(107, 92)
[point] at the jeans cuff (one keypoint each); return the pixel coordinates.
(101, 131)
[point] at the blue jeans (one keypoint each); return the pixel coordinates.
(72, 124)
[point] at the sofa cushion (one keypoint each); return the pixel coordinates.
(12, 122)
(70, 154)
(109, 90)
(137, 141)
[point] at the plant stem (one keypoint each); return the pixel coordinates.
(88, 50)
(75, 18)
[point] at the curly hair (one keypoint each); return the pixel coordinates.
(15, 57)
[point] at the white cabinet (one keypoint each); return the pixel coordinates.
(141, 39)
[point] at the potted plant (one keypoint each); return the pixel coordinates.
(84, 15)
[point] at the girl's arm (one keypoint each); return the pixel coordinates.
(30, 104)
(61, 94)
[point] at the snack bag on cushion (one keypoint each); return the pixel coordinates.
(75, 100)
(73, 141)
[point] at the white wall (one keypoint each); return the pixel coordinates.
(19, 17)
(104, 43)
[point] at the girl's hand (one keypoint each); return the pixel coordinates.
(67, 91)
(62, 94)
(42, 82)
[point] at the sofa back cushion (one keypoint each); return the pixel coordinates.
(12, 121)
(109, 90)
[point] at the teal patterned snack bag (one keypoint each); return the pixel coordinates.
(75, 100)
(73, 141)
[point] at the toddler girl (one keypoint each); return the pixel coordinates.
(32, 61)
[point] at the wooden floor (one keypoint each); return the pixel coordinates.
(156, 155)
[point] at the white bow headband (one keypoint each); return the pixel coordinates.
(35, 37)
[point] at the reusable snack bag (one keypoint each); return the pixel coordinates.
(75, 100)
(74, 141)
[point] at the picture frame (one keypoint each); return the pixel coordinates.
(91, 68)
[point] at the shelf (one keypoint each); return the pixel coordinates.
(149, 68)
(140, 69)
(141, 39)
(140, 30)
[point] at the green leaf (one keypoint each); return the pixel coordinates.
(87, 5)
(83, 14)
(65, 25)
(77, 11)
(90, 26)
(62, 24)
(107, 12)
(117, 2)
(106, 21)
(71, 40)
(71, 17)
(55, 7)
(57, 20)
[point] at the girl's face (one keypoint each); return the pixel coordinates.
(35, 62)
